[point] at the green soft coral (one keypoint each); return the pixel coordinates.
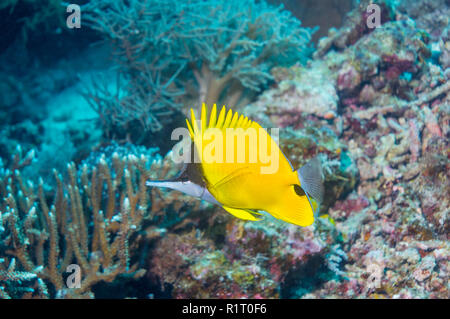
(229, 47)
(46, 14)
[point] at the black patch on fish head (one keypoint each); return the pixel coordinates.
(192, 171)
(298, 190)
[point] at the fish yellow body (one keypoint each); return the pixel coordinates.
(240, 176)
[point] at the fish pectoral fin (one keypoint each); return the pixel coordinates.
(232, 176)
(242, 213)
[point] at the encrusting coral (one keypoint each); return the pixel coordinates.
(390, 121)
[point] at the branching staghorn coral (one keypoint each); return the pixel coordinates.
(12, 280)
(94, 215)
(229, 46)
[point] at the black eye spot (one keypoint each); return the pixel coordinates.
(299, 191)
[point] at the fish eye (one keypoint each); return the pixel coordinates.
(298, 190)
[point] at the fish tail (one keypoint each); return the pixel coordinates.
(311, 178)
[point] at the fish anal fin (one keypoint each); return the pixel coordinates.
(241, 213)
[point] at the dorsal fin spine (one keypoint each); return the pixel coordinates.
(228, 119)
(194, 123)
(213, 117)
(203, 118)
(191, 131)
(234, 120)
(221, 118)
(240, 121)
(225, 119)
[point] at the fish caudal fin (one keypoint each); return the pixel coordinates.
(311, 179)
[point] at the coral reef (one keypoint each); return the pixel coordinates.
(249, 263)
(93, 215)
(431, 15)
(308, 90)
(389, 103)
(140, 100)
(372, 103)
(191, 267)
(48, 14)
(222, 50)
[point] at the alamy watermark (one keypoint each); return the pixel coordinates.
(232, 145)
(374, 18)
(74, 19)
(375, 273)
(73, 281)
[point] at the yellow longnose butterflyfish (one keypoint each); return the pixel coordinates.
(234, 172)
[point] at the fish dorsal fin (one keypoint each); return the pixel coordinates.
(225, 119)
(221, 172)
